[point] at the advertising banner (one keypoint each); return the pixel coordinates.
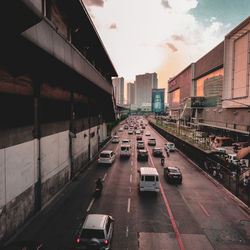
(158, 100)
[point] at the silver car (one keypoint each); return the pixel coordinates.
(96, 232)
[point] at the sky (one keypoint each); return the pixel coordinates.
(162, 36)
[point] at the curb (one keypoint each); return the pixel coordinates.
(215, 182)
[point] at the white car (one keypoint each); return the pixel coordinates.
(120, 130)
(130, 132)
(97, 230)
(151, 142)
(125, 141)
(170, 146)
(147, 133)
(106, 157)
(138, 132)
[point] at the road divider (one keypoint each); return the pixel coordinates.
(90, 205)
(204, 209)
(129, 200)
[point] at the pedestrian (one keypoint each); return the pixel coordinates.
(214, 172)
(245, 183)
(167, 151)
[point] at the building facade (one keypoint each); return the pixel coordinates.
(118, 85)
(130, 93)
(179, 90)
(143, 88)
(217, 89)
(56, 98)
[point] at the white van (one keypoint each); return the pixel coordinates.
(149, 179)
(125, 150)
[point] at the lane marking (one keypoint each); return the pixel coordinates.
(128, 205)
(204, 210)
(90, 205)
(104, 177)
(127, 231)
(130, 189)
(131, 163)
(178, 236)
(130, 178)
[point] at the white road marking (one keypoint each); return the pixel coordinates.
(130, 179)
(104, 177)
(127, 231)
(90, 205)
(128, 205)
(132, 163)
(130, 189)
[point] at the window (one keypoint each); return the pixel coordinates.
(149, 178)
(104, 155)
(176, 96)
(92, 233)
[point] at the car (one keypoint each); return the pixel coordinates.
(115, 139)
(142, 155)
(140, 145)
(157, 151)
(130, 132)
(232, 159)
(143, 127)
(173, 174)
(170, 146)
(147, 133)
(96, 232)
(120, 130)
(125, 151)
(106, 157)
(126, 126)
(151, 142)
(138, 137)
(125, 141)
(138, 132)
(220, 149)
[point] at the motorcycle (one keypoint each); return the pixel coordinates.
(162, 161)
(98, 191)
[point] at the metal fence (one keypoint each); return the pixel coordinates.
(228, 177)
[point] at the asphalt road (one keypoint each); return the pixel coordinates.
(194, 215)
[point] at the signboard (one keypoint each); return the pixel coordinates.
(158, 100)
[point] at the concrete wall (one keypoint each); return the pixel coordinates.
(19, 172)
(17, 177)
(212, 60)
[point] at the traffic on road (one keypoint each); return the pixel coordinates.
(183, 208)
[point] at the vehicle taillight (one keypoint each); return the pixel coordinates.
(98, 159)
(110, 159)
(106, 242)
(78, 240)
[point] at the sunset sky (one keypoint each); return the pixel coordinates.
(163, 36)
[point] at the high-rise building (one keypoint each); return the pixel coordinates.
(118, 85)
(143, 88)
(130, 93)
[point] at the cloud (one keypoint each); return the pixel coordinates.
(178, 37)
(148, 34)
(172, 47)
(212, 19)
(165, 3)
(182, 6)
(98, 3)
(113, 26)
